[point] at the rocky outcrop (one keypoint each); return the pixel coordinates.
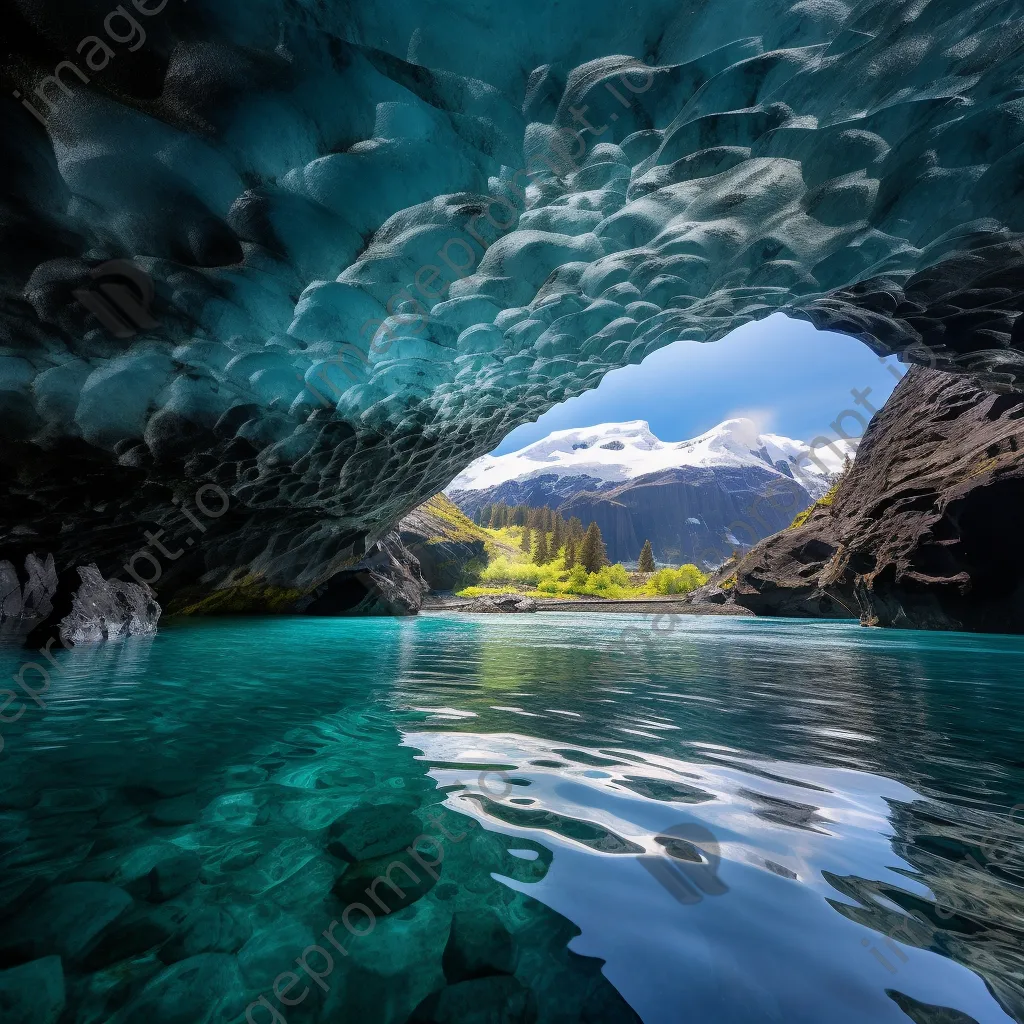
(691, 515)
(84, 607)
(322, 256)
(106, 609)
(450, 547)
(924, 530)
(713, 593)
(502, 603)
(386, 582)
(23, 605)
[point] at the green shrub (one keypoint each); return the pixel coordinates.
(501, 570)
(676, 581)
(485, 591)
(577, 579)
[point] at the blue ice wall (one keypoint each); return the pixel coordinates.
(379, 236)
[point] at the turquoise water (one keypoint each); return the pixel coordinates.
(716, 820)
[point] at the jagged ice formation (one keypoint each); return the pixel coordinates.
(380, 236)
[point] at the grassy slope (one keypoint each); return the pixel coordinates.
(455, 525)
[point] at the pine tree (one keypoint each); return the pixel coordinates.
(492, 519)
(557, 540)
(592, 552)
(540, 551)
(576, 530)
(646, 561)
(524, 544)
(570, 551)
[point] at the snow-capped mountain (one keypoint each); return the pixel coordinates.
(696, 501)
(613, 453)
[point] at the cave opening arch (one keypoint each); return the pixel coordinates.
(354, 299)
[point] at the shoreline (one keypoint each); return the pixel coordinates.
(664, 605)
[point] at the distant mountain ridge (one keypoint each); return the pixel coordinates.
(696, 500)
(616, 452)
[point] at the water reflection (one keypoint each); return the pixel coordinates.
(844, 776)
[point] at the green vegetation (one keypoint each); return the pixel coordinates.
(542, 555)
(251, 595)
(825, 501)
(458, 526)
(677, 581)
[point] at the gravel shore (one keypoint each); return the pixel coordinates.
(641, 606)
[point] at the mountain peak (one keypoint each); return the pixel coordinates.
(616, 452)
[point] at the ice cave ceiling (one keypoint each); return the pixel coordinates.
(381, 235)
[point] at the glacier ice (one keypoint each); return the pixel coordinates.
(383, 235)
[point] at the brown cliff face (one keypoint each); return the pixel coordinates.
(925, 529)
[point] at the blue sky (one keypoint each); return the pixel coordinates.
(790, 378)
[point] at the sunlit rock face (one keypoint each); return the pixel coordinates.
(380, 236)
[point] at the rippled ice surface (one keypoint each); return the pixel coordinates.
(712, 820)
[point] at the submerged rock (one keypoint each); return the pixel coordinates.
(386, 884)
(66, 920)
(493, 1000)
(172, 875)
(478, 945)
(139, 929)
(154, 872)
(204, 989)
(604, 1005)
(923, 532)
(178, 810)
(212, 929)
(272, 948)
(32, 993)
(371, 831)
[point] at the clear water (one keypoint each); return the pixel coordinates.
(727, 820)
